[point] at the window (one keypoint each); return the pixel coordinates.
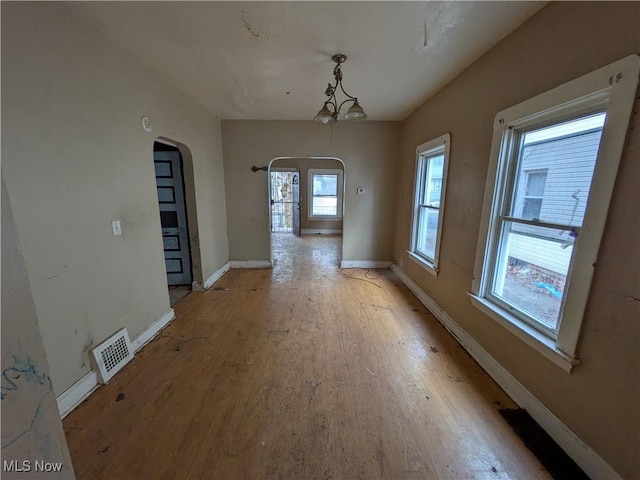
(533, 194)
(325, 194)
(431, 177)
(534, 245)
(553, 164)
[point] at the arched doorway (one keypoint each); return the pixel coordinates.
(176, 201)
(313, 207)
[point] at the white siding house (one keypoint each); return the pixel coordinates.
(553, 187)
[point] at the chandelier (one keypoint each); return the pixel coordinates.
(330, 111)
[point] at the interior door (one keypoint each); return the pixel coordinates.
(295, 189)
(173, 216)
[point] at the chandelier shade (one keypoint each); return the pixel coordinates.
(355, 112)
(324, 116)
(330, 111)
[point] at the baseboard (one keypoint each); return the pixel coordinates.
(364, 264)
(76, 394)
(319, 231)
(146, 335)
(216, 275)
(251, 264)
(84, 387)
(592, 464)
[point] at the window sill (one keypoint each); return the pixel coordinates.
(429, 267)
(541, 343)
(335, 219)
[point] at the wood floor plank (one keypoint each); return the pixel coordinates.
(303, 371)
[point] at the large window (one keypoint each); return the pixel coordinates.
(325, 194)
(429, 191)
(553, 165)
(534, 243)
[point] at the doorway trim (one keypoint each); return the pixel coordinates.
(344, 196)
(188, 179)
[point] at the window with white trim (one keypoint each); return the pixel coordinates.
(432, 159)
(553, 164)
(325, 194)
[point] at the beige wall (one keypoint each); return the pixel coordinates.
(600, 400)
(31, 426)
(75, 157)
(369, 151)
(304, 165)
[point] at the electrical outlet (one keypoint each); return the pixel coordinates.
(117, 229)
(360, 191)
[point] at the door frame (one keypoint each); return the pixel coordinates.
(191, 209)
(344, 196)
(281, 169)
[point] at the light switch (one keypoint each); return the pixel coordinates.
(117, 229)
(360, 191)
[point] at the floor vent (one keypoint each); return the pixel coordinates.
(113, 354)
(550, 454)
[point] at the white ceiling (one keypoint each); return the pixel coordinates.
(272, 60)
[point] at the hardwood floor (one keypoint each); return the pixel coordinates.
(304, 371)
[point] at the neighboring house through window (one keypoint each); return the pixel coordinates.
(553, 164)
(432, 160)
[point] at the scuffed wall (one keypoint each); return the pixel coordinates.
(599, 400)
(75, 157)
(33, 442)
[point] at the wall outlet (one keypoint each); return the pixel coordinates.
(117, 229)
(360, 191)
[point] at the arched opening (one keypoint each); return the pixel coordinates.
(173, 165)
(306, 198)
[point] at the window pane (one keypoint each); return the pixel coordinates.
(535, 184)
(591, 122)
(531, 270)
(432, 181)
(531, 208)
(555, 165)
(169, 219)
(325, 206)
(427, 232)
(325, 185)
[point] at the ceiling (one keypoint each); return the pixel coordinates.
(272, 60)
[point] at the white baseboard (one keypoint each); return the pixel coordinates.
(146, 335)
(364, 264)
(251, 264)
(319, 231)
(216, 275)
(84, 387)
(76, 394)
(592, 464)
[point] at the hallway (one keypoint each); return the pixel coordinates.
(303, 371)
